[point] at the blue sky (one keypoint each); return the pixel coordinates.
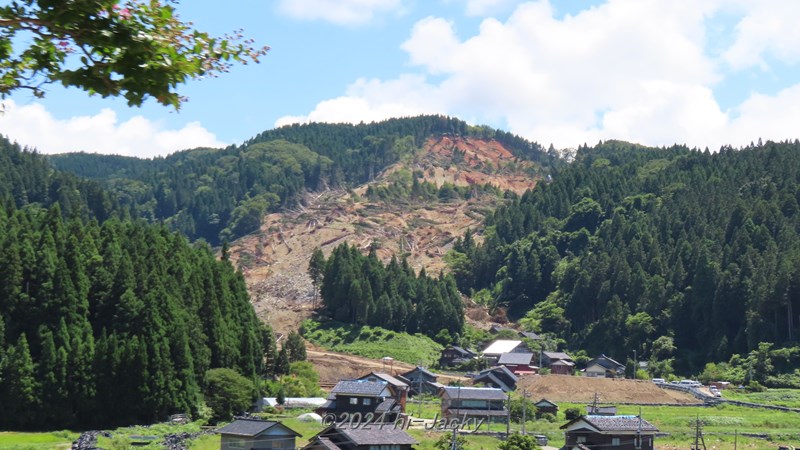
(567, 72)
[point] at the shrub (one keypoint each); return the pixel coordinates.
(548, 417)
(572, 413)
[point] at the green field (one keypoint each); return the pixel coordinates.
(372, 342)
(10, 440)
(789, 398)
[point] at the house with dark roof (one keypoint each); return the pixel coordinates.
(609, 433)
(603, 366)
(399, 387)
(519, 363)
(363, 396)
(256, 434)
(545, 406)
(453, 355)
(474, 403)
(420, 379)
(365, 437)
(559, 363)
(499, 377)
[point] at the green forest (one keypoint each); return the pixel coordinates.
(675, 253)
(107, 323)
(219, 195)
(360, 290)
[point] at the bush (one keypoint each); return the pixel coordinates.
(548, 417)
(572, 413)
(519, 442)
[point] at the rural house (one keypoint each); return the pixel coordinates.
(497, 377)
(364, 397)
(545, 406)
(603, 366)
(399, 387)
(422, 380)
(609, 433)
(519, 363)
(453, 356)
(474, 403)
(559, 363)
(493, 351)
(371, 437)
(252, 433)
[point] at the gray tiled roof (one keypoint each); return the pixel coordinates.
(500, 371)
(516, 358)
(377, 435)
(474, 393)
(422, 370)
(557, 355)
(251, 427)
(616, 423)
(387, 378)
(359, 387)
(326, 443)
(606, 362)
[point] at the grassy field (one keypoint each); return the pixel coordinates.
(789, 398)
(11, 440)
(372, 342)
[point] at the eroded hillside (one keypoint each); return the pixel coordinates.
(275, 260)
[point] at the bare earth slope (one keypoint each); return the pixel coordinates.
(275, 260)
(610, 390)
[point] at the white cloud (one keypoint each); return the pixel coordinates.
(33, 126)
(485, 7)
(374, 100)
(628, 69)
(773, 117)
(340, 12)
(768, 28)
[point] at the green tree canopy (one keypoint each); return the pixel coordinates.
(131, 48)
(227, 393)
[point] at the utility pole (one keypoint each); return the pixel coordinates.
(419, 389)
(635, 364)
(524, 408)
(508, 417)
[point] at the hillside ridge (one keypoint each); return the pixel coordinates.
(275, 259)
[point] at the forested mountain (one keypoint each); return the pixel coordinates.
(26, 177)
(107, 323)
(222, 194)
(633, 248)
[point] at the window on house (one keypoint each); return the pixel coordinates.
(580, 439)
(353, 400)
(615, 441)
(367, 401)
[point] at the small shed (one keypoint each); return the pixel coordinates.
(545, 406)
